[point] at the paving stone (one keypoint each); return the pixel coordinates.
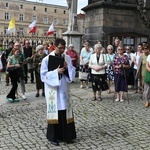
(104, 125)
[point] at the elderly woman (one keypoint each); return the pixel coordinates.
(97, 64)
(85, 55)
(37, 59)
(73, 54)
(120, 65)
(109, 70)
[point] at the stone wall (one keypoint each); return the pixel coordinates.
(109, 18)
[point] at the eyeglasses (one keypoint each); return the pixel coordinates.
(61, 48)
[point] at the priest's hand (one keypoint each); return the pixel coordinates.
(65, 65)
(60, 70)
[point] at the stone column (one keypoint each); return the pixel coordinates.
(72, 6)
(72, 36)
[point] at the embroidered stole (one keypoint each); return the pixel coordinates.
(51, 100)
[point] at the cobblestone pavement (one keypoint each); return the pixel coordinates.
(104, 125)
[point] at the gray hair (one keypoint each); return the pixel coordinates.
(110, 47)
(98, 46)
(39, 47)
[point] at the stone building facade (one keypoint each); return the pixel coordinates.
(24, 12)
(129, 20)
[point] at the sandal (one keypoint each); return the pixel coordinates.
(93, 99)
(99, 99)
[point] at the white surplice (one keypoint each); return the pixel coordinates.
(57, 91)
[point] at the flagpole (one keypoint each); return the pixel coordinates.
(55, 35)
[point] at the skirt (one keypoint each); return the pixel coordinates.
(120, 83)
(98, 81)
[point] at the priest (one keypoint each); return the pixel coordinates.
(58, 97)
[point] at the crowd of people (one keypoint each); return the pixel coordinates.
(120, 65)
(116, 64)
(24, 62)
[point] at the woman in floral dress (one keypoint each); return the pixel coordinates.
(109, 70)
(120, 65)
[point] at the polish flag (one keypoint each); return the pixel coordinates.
(50, 30)
(32, 27)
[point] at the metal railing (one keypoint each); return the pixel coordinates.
(34, 40)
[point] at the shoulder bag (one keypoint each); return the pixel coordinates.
(147, 77)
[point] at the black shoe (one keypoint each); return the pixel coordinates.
(37, 95)
(7, 84)
(54, 142)
(43, 94)
(70, 142)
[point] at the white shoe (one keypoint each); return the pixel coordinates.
(81, 86)
(87, 87)
(122, 100)
(24, 97)
(117, 100)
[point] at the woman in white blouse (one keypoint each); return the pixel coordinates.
(98, 65)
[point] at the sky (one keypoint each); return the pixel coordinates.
(81, 3)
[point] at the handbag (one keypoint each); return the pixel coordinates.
(10, 69)
(147, 77)
(83, 75)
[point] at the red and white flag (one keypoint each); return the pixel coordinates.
(50, 30)
(32, 27)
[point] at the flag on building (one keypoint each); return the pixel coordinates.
(32, 27)
(50, 30)
(11, 27)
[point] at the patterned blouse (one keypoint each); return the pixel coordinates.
(36, 60)
(120, 60)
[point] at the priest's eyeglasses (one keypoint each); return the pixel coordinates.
(61, 48)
